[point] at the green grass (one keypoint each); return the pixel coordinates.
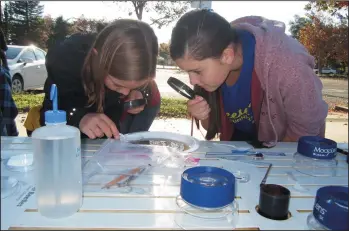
(27, 100)
(173, 108)
(170, 108)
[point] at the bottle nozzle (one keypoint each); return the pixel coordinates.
(54, 97)
(55, 115)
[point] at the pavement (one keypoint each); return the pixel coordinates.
(332, 88)
(337, 88)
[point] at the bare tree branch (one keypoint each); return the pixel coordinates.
(167, 12)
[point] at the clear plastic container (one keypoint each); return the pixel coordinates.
(314, 167)
(9, 186)
(313, 224)
(130, 168)
(57, 162)
(193, 217)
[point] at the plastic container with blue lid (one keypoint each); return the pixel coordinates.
(207, 199)
(330, 210)
(316, 156)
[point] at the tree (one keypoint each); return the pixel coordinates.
(167, 11)
(83, 24)
(338, 9)
(297, 25)
(164, 54)
(327, 41)
(319, 39)
(341, 44)
(331, 6)
(164, 57)
(164, 50)
(45, 31)
(25, 19)
(138, 8)
(60, 29)
(7, 23)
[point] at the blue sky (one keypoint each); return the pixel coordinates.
(277, 10)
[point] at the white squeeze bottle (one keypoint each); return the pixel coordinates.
(57, 164)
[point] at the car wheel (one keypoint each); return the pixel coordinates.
(17, 84)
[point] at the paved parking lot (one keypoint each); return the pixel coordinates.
(337, 88)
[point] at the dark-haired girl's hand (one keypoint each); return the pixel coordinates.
(199, 108)
(97, 125)
(135, 94)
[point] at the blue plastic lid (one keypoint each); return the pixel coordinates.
(207, 187)
(331, 207)
(55, 115)
(317, 147)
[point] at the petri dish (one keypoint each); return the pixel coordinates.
(192, 217)
(20, 163)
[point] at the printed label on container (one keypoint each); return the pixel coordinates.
(323, 152)
(24, 197)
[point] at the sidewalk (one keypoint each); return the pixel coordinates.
(336, 127)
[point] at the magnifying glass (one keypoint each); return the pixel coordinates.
(134, 104)
(181, 88)
(185, 91)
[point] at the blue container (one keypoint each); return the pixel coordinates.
(317, 147)
(331, 207)
(207, 187)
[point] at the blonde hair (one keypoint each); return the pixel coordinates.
(127, 50)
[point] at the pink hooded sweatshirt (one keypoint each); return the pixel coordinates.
(291, 104)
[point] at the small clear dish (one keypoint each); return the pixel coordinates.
(192, 217)
(20, 163)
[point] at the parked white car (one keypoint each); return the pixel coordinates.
(326, 70)
(27, 67)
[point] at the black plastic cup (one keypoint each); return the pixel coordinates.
(274, 201)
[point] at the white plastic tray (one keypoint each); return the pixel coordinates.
(191, 143)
